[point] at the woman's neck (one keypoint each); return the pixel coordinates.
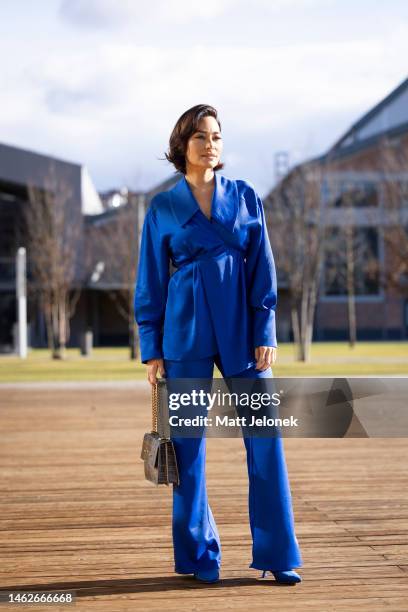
(200, 180)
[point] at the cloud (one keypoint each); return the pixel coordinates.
(98, 13)
(113, 14)
(109, 95)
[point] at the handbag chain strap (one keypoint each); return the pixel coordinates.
(154, 406)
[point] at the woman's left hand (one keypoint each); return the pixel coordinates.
(265, 356)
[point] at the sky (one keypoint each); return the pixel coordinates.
(102, 82)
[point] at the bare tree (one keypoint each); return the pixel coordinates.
(394, 162)
(53, 229)
(116, 243)
(351, 265)
(297, 239)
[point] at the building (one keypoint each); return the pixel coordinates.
(19, 169)
(360, 171)
(108, 227)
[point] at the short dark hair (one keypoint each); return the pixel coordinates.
(185, 127)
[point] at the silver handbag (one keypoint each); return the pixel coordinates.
(158, 453)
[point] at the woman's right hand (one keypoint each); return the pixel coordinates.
(152, 366)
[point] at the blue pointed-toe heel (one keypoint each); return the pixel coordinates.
(207, 575)
(284, 576)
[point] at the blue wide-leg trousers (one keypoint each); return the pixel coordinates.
(196, 539)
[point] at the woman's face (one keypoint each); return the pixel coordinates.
(204, 147)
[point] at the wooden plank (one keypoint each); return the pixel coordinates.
(77, 513)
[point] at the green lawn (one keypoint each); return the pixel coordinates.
(327, 359)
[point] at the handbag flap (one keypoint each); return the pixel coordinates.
(150, 447)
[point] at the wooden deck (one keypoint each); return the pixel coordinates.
(76, 512)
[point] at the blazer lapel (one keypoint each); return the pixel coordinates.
(224, 204)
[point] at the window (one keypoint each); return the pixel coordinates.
(355, 249)
(358, 194)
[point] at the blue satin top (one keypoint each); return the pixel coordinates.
(222, 296)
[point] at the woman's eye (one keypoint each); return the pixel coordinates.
(201, 137)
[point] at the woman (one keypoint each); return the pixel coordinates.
(217, 307)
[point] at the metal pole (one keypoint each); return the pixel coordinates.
(21, 303)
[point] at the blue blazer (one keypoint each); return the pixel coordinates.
(222, 295)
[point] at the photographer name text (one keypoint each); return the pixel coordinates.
(226, 421)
